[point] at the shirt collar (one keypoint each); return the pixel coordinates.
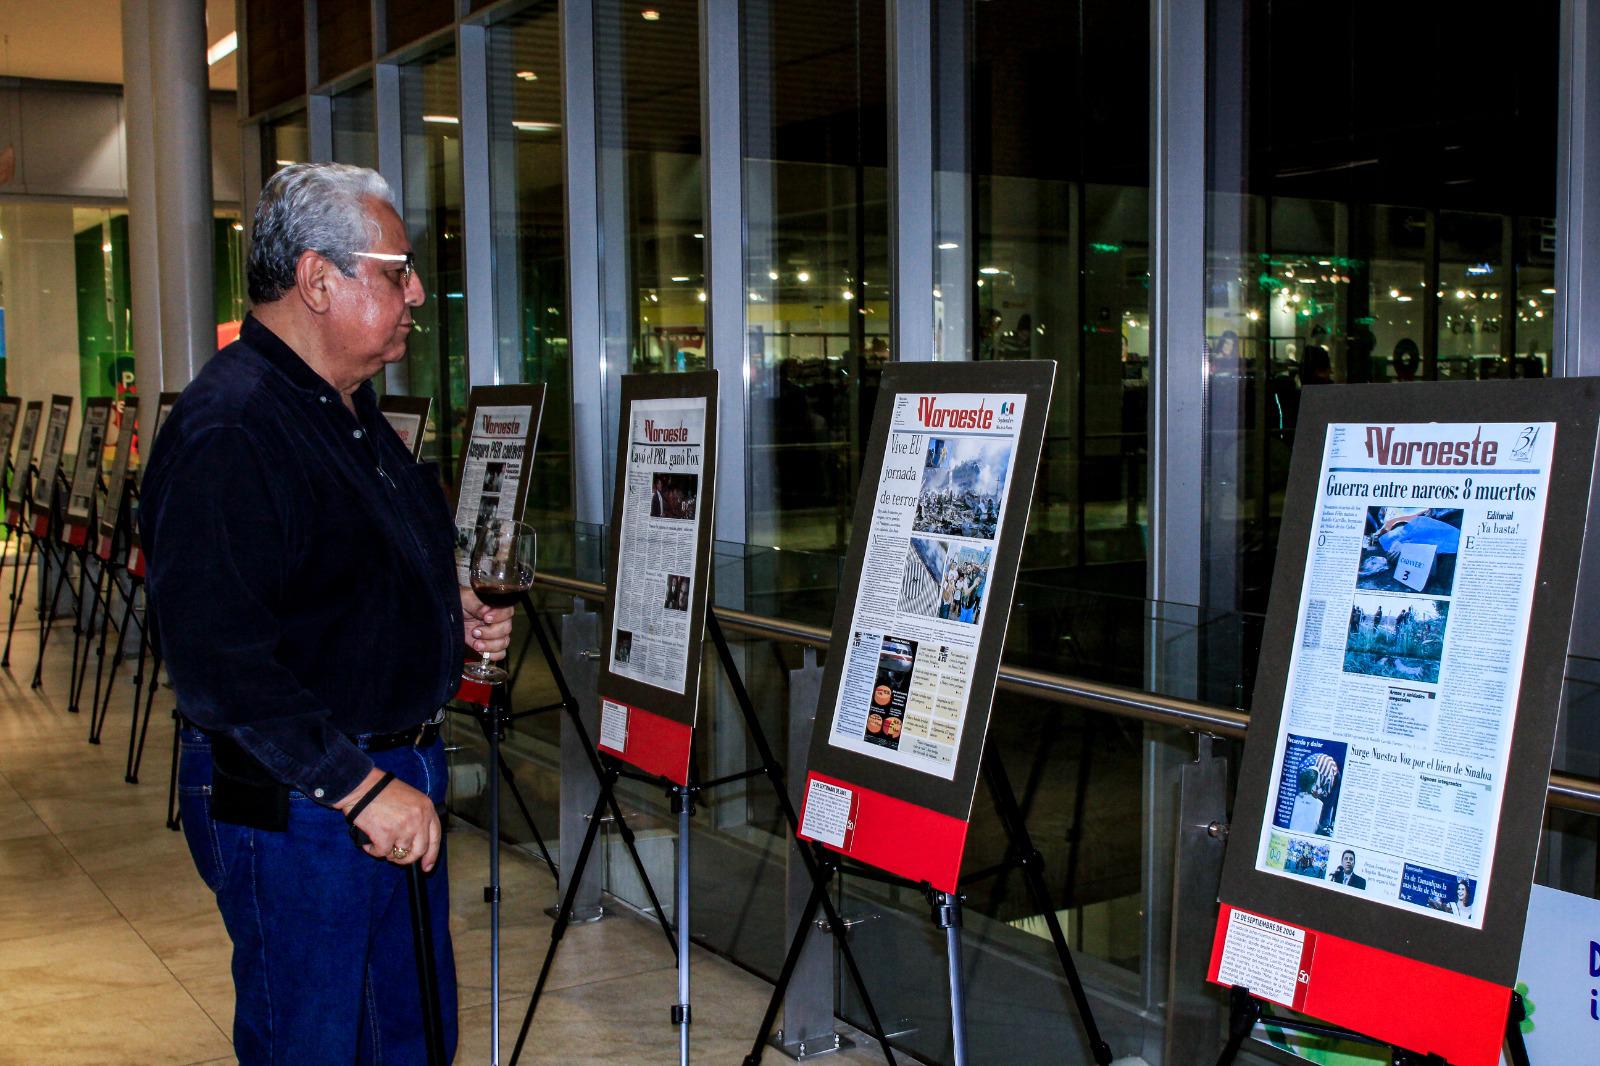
(287, 361)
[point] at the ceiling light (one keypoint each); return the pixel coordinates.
(223, 49)
(947, 246)
(991, 271)
(804, 275)
(772, 275)
(537, 127)
(443, 120)
(238, 227)
(527, 75)
(699, 236)
(650, 14)
(701, 296)
(1548, 292)
(106, 247)
(680, 277)
(848, 295)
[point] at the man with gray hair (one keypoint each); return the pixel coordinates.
(303, 593)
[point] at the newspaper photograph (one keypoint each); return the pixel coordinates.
(920, 606)
(492, 469)
(1403, 685)
(25, 445)
(659, 532)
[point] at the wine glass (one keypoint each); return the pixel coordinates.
(500, 556)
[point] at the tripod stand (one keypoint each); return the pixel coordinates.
(28, 523)
(63, 537)
(682, 797)
(946, 914)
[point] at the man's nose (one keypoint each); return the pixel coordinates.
(416, 295)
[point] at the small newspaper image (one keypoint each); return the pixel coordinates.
(1391, 755)
(920, 606)
(659, 536)
(490, 472)
(86, 475)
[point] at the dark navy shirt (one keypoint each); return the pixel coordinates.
(301, 566)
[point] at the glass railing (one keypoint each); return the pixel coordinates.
(1098, 791)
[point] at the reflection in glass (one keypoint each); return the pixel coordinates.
(1391, 228)
(528, 186)
(431, 174)
(816, 260)
(284, 141)
(355, 131)
(647, 81)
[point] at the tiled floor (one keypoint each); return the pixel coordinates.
(111, 951)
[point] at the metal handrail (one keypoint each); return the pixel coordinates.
(1566, 791)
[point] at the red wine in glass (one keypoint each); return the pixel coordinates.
(500, 557)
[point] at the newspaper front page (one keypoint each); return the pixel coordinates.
(1413, 618)
(25, 446)
(491, 470)
(935, 528)
(86, 472)
(659, 534)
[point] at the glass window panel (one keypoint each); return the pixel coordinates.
(344, 36)
(355, 135)
(284, 141)
(431, 176)
(647, 81)
(1380, 221)
(528, 186)
(275, 40)
(817, 260)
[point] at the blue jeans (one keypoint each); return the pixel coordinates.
(324, 965)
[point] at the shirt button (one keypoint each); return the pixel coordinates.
(317, 793)
(324, 399)
(356, 433)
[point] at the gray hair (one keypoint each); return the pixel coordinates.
(314, 207)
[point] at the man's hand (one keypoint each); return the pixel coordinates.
(485, 629)
(397, 816)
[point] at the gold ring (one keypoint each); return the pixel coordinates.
(398, 853)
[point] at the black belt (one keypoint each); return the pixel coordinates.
(416, 737)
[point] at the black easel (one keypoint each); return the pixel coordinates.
(63, 559)
(1245, 1011)
(682, 797)
(83, 630)
(113, 561)
(946, 914)
(19, 571)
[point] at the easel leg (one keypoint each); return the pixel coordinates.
(47, 618)
(819, 875)
(102, 697)
(1516, 1046)
(683, 803)
(174, 812)
(496, 731)
(1032, 862)
(947, 916)
(83, 643)
(564, 914)
(516, 793)
(1244, 1010)
(18, 594)
(797, 944)
(144, 730)
(138, 696)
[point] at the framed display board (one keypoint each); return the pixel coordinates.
(408, 415)
(31, 418)
(10, 408)
(164, 404)
(84, 476)
(661, 527)
(55, 439)
(117, 481)
(502, 430)
(1393, 780)
(922, 614)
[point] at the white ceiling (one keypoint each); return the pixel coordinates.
(81, 40)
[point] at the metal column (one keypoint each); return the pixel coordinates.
(181, 128)
(143, 243)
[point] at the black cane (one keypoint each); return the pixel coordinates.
(422, 936)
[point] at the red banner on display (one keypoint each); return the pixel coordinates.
(898, 837)
(136, 561)
(41, 524)
(1410, 1004)
(653, 743)
(76, 536)
(102, 549)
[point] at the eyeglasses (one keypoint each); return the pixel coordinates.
(408, 259)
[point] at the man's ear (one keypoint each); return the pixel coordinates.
(313, 278)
